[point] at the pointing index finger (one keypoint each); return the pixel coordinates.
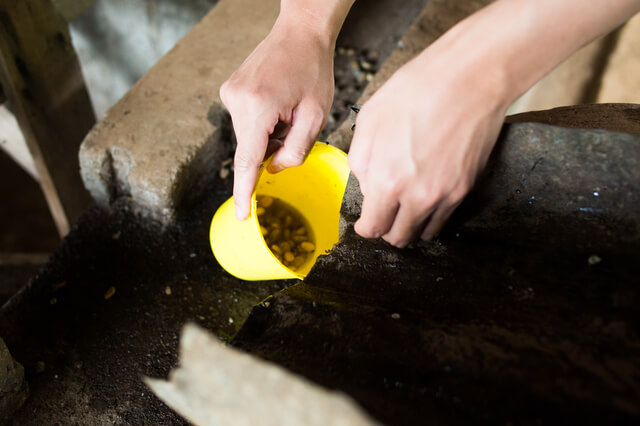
(252, 145)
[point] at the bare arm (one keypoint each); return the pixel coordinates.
(422, 139)
(527, 39)
(283, 91)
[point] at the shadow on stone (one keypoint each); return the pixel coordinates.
(525, 310)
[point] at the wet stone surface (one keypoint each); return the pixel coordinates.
(524, 311)
(85, 347)
(462, 332)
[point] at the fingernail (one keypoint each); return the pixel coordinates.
(358, 228)
(274, 168)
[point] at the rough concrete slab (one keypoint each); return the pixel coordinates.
(623, 118)
(436, 18)
(166, 133)
(213, 378)
(170, 131)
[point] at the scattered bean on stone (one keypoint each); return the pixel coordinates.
(109, 293)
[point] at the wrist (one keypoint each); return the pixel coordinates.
(319, 19)
(470, 68)
(511, 44)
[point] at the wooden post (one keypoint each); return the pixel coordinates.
(43, 83)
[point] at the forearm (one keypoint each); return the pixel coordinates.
(519, 41)
(322, 18)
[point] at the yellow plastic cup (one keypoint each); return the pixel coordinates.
(315, 189)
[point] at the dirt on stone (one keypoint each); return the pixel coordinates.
(108, 307)
(353, 69)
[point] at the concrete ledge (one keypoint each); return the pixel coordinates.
(623, 118)
(168, 134)
(163, 141)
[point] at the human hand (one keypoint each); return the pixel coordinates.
(420, 142)
(279, 98)
(422, 139)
